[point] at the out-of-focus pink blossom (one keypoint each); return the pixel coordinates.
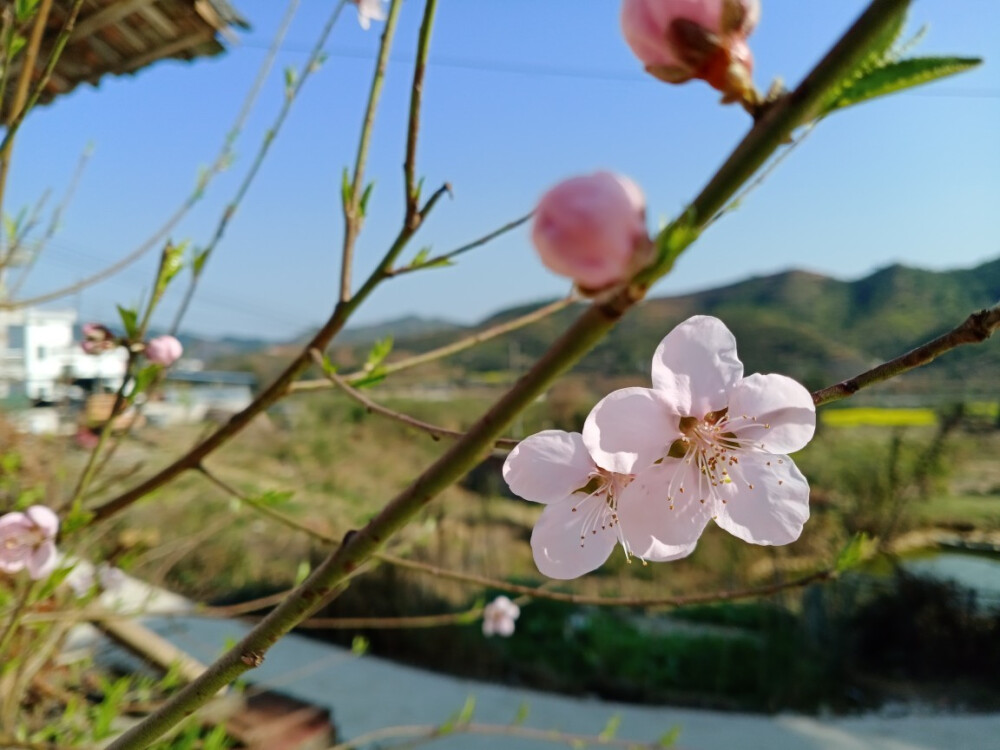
(678, 40)
(593, 230)
(499, 616)
(163, 350)
(97, 339)
(27, 540)
(368, 11)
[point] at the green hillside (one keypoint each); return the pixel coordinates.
(814, 328)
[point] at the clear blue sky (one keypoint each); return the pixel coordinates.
(519, 94)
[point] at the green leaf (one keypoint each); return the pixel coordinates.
(130, 319)
(53, 582)
(171, 264)
(273, 498)
(359, 645)
(291, 76)
(143, 379)
(376, 376)
(379, 351)
(853, 553)
(198, 261)
(669, 738)
(25, 9)
(611, 728)
(346, 191)
(463, 716)
(16, 45)
(302, 572)
(421, 257)
(522, 714)
(899, 76)
(363, 206)
(77, 518)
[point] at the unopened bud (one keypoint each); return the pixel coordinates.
(163, 350)
(593, 230)
(678, 40)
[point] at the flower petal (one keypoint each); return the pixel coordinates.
(548, 466)
(656, 528)
(696, 365)
(44, 519)
(42, 560)
(781, 409)
(629, 429)
(567, 543)
(774, 510)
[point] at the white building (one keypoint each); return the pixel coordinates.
(41, 361)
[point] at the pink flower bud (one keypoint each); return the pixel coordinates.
(678, 40)
(97, 339)
(163, 350)
(592, 229)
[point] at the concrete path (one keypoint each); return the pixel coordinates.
(366, 693)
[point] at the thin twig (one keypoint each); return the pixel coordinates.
(974, 330)
(445, 257)
(411, 186)
(392, 623)
(433, 430)
(443, 351)
(351, 204)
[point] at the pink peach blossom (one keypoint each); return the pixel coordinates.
(368, 11)
(592, 229)
(97, 338)
(499, 616)
(163, 350)
(27, 540)
(678, 40)
(706, 443)
(588, 509)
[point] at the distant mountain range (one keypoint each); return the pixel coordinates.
(812, 327)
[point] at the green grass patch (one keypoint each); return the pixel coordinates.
(873, 416)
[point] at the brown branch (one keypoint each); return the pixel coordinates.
(443, 351)
(434, 431)
(974, 330)
(391, 623)
(445, 257)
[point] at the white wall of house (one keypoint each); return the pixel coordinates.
(38, 355)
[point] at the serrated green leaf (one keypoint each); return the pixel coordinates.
(363, 206)
(611, 728)
(379, 351)
(852, 553)
(899, 76)
(669, 738)
(130, 320)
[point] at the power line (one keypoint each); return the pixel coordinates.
(562, 71)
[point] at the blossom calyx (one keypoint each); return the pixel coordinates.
(163, 350)
(678, 40)
(593, 229)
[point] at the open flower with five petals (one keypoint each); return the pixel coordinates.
(27, 540)
(707, 443)
(588, 509)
